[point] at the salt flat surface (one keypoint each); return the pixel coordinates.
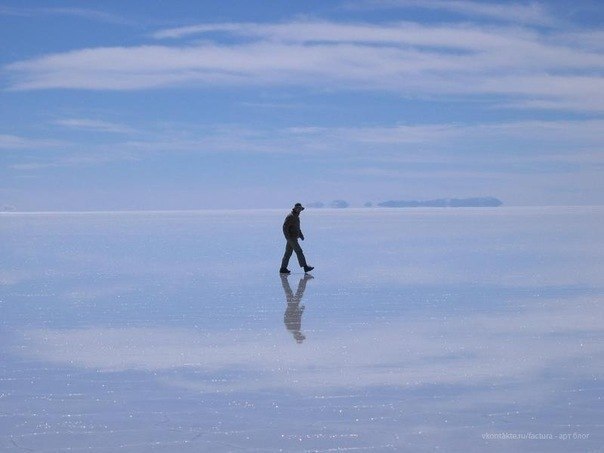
(422, 330)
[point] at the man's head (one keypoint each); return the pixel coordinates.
(298, 208)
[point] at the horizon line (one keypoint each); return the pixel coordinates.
(217, 210)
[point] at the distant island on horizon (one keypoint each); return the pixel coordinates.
(474, 202)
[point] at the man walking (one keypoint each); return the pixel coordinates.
(291, 230)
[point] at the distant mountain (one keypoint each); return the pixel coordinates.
(333, 204)
(315, 204)
(479, 202)
(338, 204)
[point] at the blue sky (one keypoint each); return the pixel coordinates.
(256, 104)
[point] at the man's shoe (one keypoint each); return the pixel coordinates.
(308, 268)
(284, 271)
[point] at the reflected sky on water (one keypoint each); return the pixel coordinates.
(421, 329)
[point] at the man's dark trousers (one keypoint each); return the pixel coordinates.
(293, 246)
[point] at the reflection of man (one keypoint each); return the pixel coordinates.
(293, 312)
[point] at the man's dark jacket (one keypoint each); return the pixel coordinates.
(291, 226)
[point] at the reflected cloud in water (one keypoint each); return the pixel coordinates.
(429, 337)
(467, 349)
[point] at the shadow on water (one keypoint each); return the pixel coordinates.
(293, 313)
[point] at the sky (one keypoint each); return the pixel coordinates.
(250, 104)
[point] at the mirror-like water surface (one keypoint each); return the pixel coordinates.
(422, 329)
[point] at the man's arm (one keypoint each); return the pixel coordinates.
(299, 230)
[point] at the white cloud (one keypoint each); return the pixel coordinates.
(94, 125)
(531, 13)
(12, 142)
(408, 352)
(448, 36)
(520, 65)
(578, 142)
(494, 143)
(85, 13)
(91, 159)
(570, 133)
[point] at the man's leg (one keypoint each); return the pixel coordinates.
(302, 287)
(289, 294)
(286, 255)
(299, 252)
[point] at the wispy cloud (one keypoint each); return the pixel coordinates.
(86, 13)
(516, 66)
(12, 142)
(549, 145)
(461, 360)
(541, 136)
(417, 142)
(94, 125)
(451, 36)
(73, 160)
(530, 13)
(567, 133)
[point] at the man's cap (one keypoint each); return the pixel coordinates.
(299, 205)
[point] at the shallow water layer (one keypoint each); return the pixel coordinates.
(422, 329)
